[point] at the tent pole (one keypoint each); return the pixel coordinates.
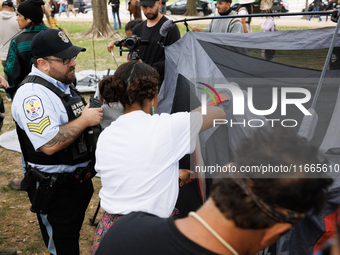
(329, 54)
(309, 122)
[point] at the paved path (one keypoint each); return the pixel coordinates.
(296, 21)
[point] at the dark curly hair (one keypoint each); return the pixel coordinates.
(133, 82)
(277, 147)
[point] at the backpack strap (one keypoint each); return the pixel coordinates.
(233, 21)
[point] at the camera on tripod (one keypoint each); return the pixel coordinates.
(132, 43)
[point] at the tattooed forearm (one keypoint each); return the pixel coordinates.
(64, 134)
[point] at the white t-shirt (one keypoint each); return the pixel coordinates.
(137, 158)
(243, 11)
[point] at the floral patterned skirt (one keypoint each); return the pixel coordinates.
(106, 222)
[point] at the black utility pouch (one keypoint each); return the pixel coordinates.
(40, 199)
(45, 192)
(80, 175)
(75, 179)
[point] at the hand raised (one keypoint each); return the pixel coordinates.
(110, 46)
(3, 83)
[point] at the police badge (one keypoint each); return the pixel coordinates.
(63, 37)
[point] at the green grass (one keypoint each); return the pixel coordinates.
(74, 27)
(18, 196)
(97, 56)
(170, 2)
(5, 189)
(5, 173)
(32, 248)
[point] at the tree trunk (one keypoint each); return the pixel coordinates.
(100, 21)
(191, 11)
(306, 10)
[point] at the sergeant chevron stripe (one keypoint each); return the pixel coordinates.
(39, 128)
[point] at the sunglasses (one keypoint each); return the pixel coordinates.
(65, 61)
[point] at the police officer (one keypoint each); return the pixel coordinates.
(55, 130)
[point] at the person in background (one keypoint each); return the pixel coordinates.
(19, 61)
(137, 155)
(62, 6)
(153, 53)
(115, 11)
(3, 83)
(223, 25)
(268, 25)
(244, 214)
(245, 8)
(54, 11)
(9, 27)
(129, 27)
(316, 8)
(70, 8)
(331, 6)
(162, 8)
(128, 32)
(112, 112)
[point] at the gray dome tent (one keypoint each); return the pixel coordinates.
(262, 61)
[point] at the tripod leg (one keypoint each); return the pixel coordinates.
(92, 221)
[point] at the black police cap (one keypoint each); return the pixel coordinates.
(53, 42)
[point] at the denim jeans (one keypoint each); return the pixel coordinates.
(62, 8)
(115, 22)
(315, 10)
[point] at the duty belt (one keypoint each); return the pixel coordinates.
(74, 179)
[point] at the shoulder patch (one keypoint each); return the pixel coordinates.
(33, 108)
(39, 127)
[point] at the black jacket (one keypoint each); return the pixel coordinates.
(114, 5)
(19, 61)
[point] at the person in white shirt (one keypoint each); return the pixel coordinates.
(137, 155)
(268, 25)
(246, 8)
